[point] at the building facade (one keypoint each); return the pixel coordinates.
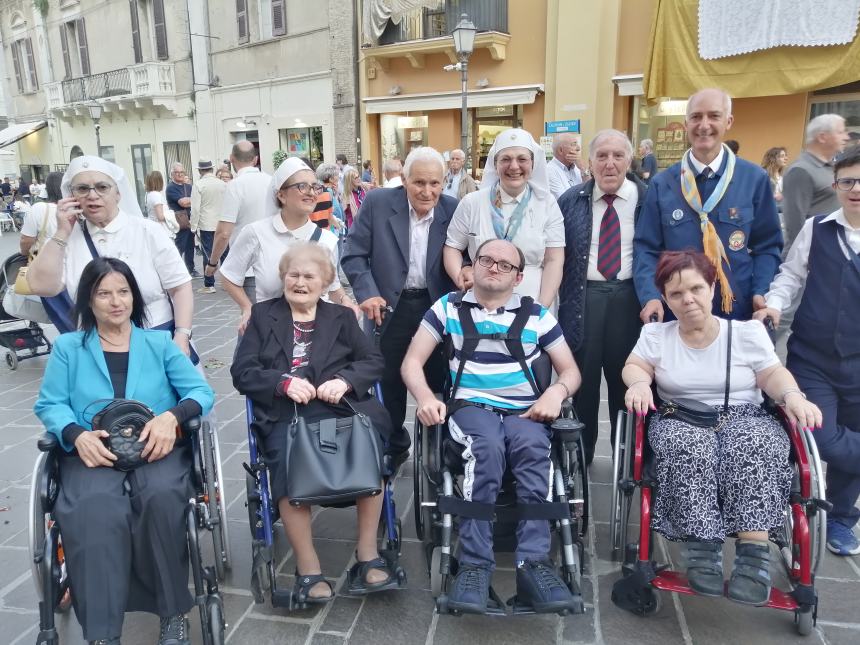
(145, 83)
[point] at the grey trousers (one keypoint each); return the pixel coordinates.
(124, 540)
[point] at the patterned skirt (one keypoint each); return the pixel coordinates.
(712, 484)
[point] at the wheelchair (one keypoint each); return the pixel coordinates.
(263, 514)
(439, 503)
(206, 510)
(801, 539)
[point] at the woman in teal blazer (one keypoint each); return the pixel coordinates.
(123, 532)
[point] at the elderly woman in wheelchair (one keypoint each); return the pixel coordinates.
(301, 356)
(123, 531)
(499, 417)
(722, 461)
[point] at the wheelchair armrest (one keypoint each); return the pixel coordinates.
(567, 429)
(192, 425)
(48, 442)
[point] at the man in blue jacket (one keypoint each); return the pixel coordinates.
(711, 201)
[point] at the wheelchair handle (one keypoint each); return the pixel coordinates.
(47, 442)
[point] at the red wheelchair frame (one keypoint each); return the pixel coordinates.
(802, 538)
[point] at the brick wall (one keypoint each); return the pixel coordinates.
(342, 52)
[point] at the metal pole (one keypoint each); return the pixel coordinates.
(464, 111)
(98, 140)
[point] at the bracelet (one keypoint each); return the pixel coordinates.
(791, 390)
(60, 242)
(214, 266)
(638, 382)
(566, 389)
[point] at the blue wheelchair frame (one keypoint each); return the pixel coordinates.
(262, 515)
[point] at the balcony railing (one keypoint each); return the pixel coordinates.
(143, 81)
(421, 24)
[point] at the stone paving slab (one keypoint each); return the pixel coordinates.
(404, 616)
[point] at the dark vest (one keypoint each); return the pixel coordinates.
(827, 316)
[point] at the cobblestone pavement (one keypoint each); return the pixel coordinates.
(404, 616)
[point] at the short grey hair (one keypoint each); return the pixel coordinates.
(326, 172)
(605, 134)
(647, 144)
(727, 100)
(392, 166)
(176, 165)
(462, 154)
(558, 139)
(822, 124)
(423, 154)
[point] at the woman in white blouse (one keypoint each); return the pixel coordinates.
(515, 205)
(732, 479)
(260, 245)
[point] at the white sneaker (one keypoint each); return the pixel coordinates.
(206, 290)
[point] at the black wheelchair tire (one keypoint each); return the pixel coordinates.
(804, 622)
(252, 502)
(213, 499)
(423, 486)
(216, 621)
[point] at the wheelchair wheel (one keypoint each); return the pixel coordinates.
(423, 462)
(621, 472)
(215, 499)
(804, 622)
(216, 621)
(435, 573)
(36, 542)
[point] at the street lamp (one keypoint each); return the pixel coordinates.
(464, 45)
(95, 110)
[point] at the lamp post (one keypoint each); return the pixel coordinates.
(95, 110)
(464, 44)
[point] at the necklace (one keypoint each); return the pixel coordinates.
(110, 342)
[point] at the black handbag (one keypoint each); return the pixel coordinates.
(695, 412)
(123, 420)
(333, 460)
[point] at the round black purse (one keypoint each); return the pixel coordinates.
(123, 420)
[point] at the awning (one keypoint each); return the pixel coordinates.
(512, 95)
(673, 67)
(18, 131)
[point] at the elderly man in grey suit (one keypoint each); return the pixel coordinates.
(393, 259)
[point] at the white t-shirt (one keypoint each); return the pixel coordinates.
(33, 222)
(145, 247)
(153, 199)
(245, 200)
(700, 374)
(542, 226)
(260, 246)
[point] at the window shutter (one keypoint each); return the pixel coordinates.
(242, 20)
(64, 42)
(160, 29)
(16, 59)
(31, 66)
(135, 31)
(83, 49)
(279, 26)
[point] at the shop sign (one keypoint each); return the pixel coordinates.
(555, 127)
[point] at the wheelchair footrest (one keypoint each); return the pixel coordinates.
(519, 608)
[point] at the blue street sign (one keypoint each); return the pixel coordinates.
(554, 127)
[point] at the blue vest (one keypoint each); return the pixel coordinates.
(827, 316)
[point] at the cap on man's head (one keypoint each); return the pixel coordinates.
(204, 164)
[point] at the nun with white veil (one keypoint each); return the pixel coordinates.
(514, 204)
(259, 246)
(99, 216)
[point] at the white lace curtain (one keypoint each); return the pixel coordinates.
(377, 13)
(732, 27)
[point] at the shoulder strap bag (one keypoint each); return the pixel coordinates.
(695, 412)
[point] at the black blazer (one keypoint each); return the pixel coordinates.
(376, 252)
(339, 348)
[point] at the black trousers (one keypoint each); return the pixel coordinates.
(124, 538)
(611, 330)
(185, 245)
(394, 342)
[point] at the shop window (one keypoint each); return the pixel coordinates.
(489, 122)
(663, 123)
(304, 142)
(400, 135)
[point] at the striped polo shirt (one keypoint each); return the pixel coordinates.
(493, 376)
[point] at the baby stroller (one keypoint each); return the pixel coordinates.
(20, 342)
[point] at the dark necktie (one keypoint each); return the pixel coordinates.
(609, 247)
(705, 184)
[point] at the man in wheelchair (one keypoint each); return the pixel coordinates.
(498, 413)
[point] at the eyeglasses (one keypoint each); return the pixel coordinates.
(503, 266)
(846, 183)
(522, 160)
(305, 188)
(83, 190)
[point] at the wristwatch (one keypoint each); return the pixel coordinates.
(183, 330)
(214, 266)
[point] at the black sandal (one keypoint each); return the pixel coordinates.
(303, 586)
(357, 584)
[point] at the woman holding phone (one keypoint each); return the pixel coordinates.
(99, 217)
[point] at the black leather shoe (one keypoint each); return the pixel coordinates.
(470, 590)
(540, 586)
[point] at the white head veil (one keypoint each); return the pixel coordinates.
(289, 167)
(127, 196)
(518, 138)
